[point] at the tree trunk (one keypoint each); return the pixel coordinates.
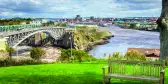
(163, 27)
(10, 55)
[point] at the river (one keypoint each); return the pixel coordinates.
(126, 38)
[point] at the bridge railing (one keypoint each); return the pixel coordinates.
(18, 27)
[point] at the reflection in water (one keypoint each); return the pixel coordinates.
(127, 38)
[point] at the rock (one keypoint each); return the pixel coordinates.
(4, 55)
(51, 54)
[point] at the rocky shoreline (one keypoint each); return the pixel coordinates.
(104, 40)
(141, 29)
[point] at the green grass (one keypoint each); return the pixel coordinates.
(58, 74)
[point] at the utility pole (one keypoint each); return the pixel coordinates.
(71, 46)
(73, 29)
(17, 49)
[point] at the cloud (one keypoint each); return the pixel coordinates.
(86, 8)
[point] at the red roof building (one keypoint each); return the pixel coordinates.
(146, 51)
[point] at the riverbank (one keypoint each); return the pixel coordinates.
(103, 41)
(141, 29)
(86, 38)
(124, 39)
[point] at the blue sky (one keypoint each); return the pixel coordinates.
(85, 8)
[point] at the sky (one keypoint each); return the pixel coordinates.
(85, 8)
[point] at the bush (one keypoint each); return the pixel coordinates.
(81, 55)
(2, 51)
(134, 55)
(63, 24)
(78, 55)
(12, 62)
(166, 61)
(36, 53)
(10, 50)
(115, 56)
(133, 25)
(65, 55)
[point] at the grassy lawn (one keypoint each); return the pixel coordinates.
(59, 74)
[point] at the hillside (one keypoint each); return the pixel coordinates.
(86, 37)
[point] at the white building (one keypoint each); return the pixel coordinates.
(43, 21)
(35, 22)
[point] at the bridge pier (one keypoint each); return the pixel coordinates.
(38, 39)
(65, 41)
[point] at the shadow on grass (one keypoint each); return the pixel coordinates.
(87, 78)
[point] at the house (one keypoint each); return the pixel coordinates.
(36, 22)
(43, 21)
(23, 23)
(149, 53)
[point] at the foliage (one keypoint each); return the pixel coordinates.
(78, 55)
(78, 17)
(166, 60)
(15, 21)
(86, 36)
(115, 56)
(65, 55)
(2, 51)
(133, 25)
(134, 55)
(10, 50)
(92, 17)
(12, 62)
(48, 23)
(36, 53)
(61, 24)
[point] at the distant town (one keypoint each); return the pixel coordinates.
(140, 23)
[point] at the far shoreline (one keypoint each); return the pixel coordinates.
(137, 29)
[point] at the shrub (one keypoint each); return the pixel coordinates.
(133, 25)
(10, 50)
(65, 55)
(63, 24)
(78, 55)
(166, 60)
(36, 53)
(2, 51)
(81, 55)
(12, 62)
(134, 55)
(115, 56)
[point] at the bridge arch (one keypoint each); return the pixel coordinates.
(55, 34)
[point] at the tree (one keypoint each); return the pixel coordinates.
(163, 27)
(91, 17)
(78, 17)
(79, 55)
(133, 25)
(36, 53)
(10, 50)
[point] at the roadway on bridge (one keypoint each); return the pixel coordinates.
(5, 34)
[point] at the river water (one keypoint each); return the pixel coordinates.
(126, 38)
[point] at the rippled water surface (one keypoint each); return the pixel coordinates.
(127, 38)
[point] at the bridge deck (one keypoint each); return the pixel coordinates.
(5, 34)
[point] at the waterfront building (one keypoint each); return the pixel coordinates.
(43, 21)
(36, 22)
(149, 53)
